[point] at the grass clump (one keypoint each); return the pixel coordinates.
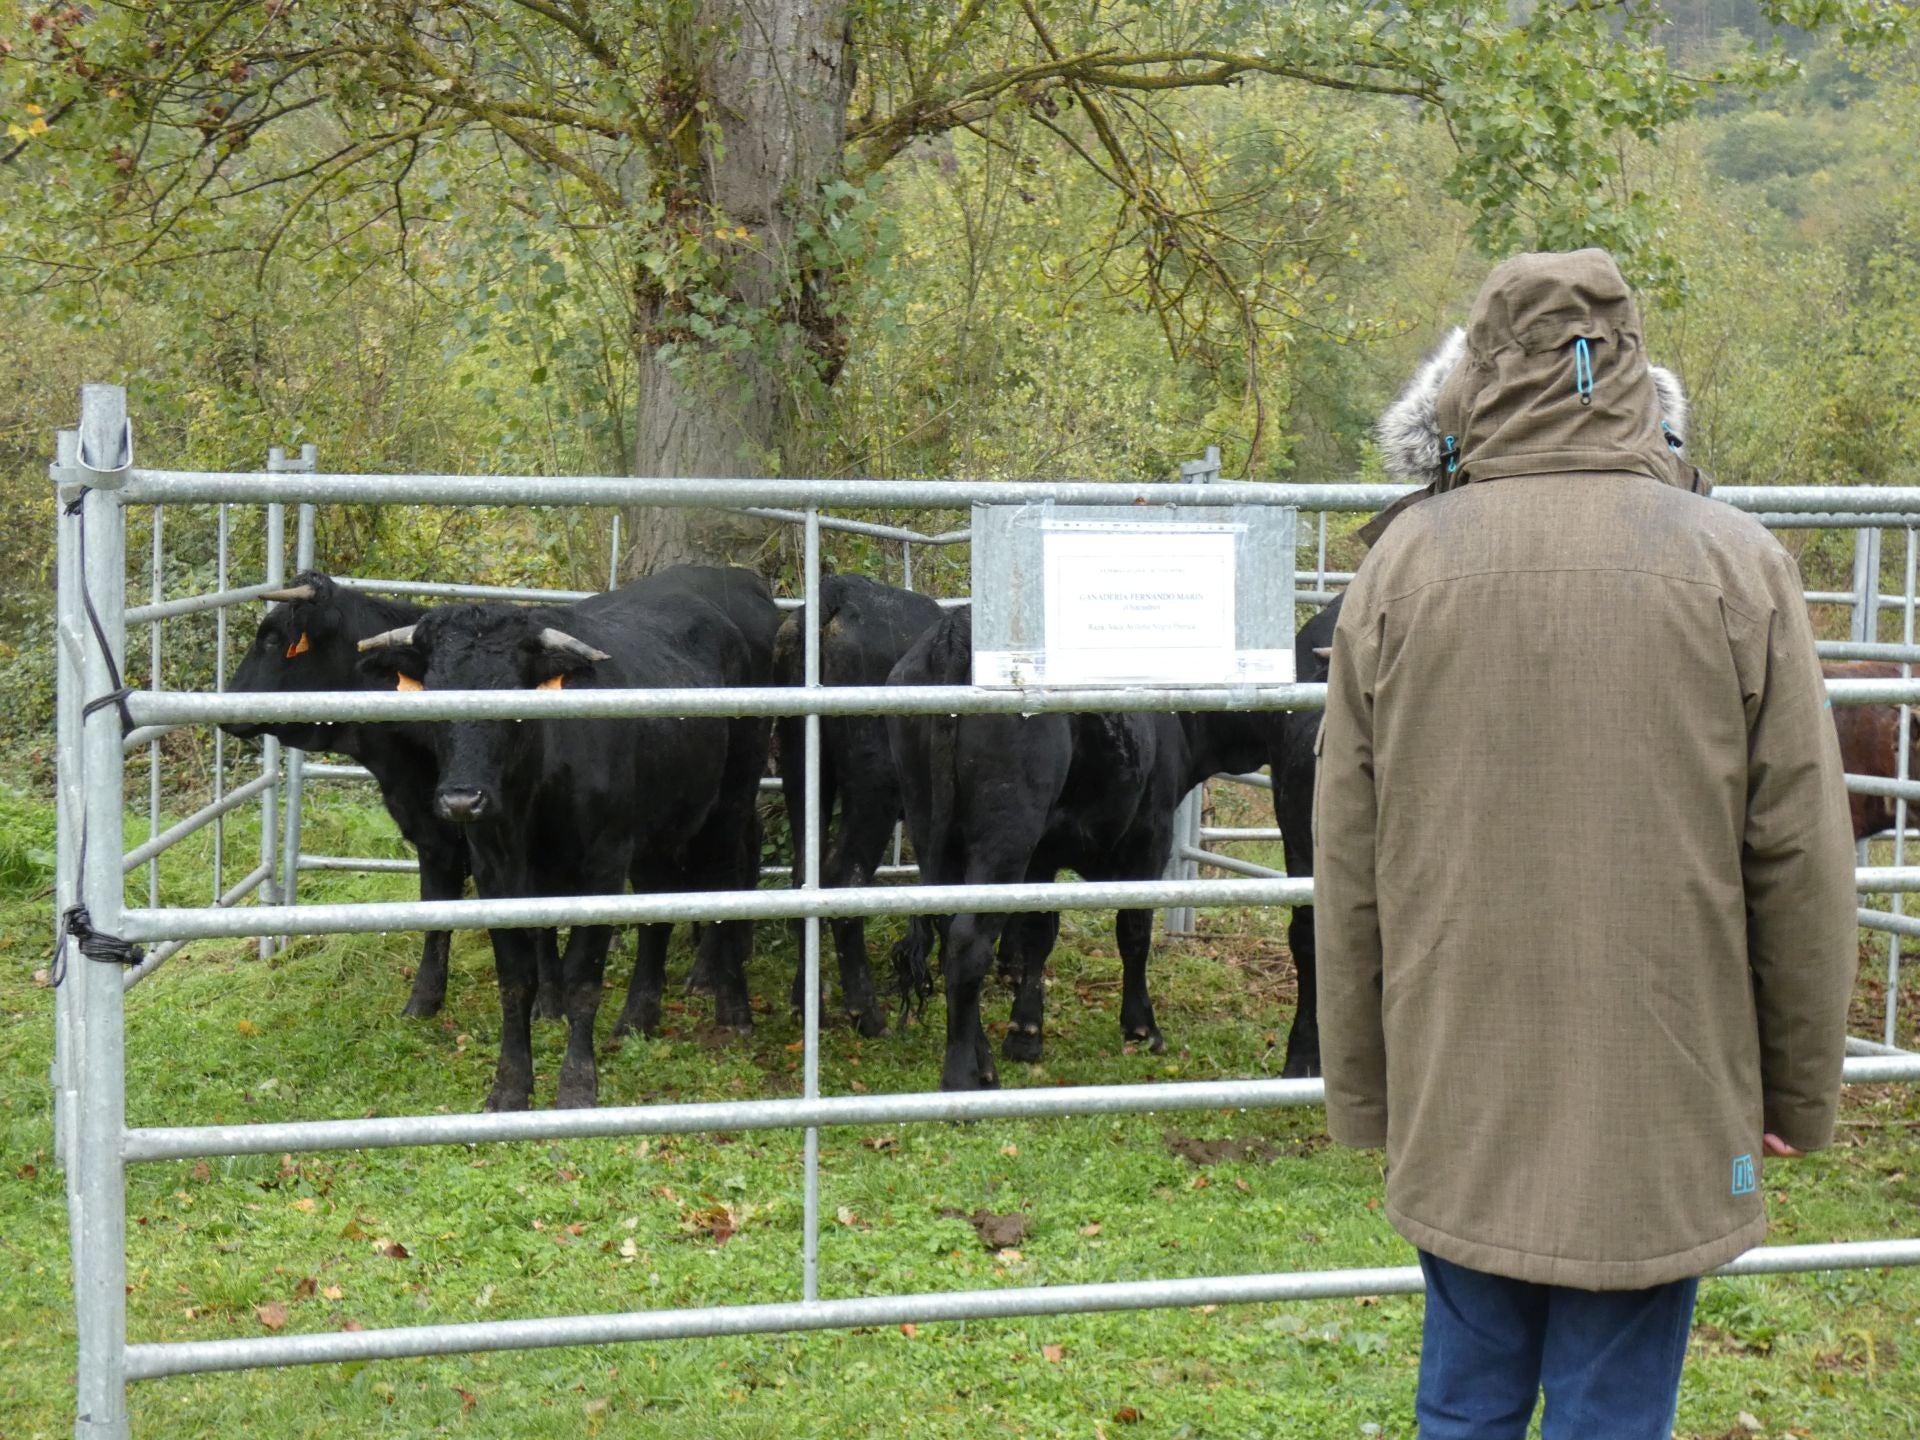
(318, 1242)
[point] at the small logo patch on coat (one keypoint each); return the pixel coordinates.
(1744, 1181)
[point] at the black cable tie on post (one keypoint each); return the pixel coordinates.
(95, 945)
(117, 696)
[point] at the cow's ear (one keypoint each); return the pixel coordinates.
(554, 659)
(402, 666)
(550, 670)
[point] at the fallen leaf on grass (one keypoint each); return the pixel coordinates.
(1127, 1415)
(880, 1142)
(719, 1221)
(909, 1329)
(246, 1027)
(467, 1399)
(332, 1292)
(577, 1228)
(351, 1325)
(306, 1204)
(1092, 1228)
(304, 1290)
(392, 1249)
(43, 978)
(26, 1172)
(1054, 1353)
(272, 1314)
(628, 1250)
(202, 1172)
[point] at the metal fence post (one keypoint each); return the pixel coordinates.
(156, 589)
(296, 759)
(1865, 624)
(69, 794)
(100, 1259)
(219, 688)
(810, 880)
(1182, 919)
(276, 574)
(1891, 1026)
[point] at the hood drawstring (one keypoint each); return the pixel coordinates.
(1583, 372)
(1452, 454)
(1674, 442)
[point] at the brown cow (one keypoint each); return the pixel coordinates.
(1870, 744)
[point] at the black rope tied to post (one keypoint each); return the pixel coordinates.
(117, 696)
(77, 924)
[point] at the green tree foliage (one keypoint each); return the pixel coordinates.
(634, 144)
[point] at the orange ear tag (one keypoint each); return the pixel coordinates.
(299, 647)
(558, 682)
(407, 682)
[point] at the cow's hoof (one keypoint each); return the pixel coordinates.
(1023, 1043)
(505, 1097)
(422, 1007)
(972, 1079)
(547, 1005)
(1149, 1036)
(1301, 1067)
(734, 1016)
(870, 1023)
(577, 1094)
(641, 1019)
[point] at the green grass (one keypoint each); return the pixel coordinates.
(520, 1230)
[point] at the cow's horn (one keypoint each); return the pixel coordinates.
(389, 639)
(291, 592)
(1323, 651)
(552, 639)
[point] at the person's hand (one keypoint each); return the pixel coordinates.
(1774, 1145)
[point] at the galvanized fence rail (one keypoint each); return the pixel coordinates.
(96, 482)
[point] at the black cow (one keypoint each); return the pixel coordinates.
(1289, 742)
(865, 628)
(1001, 799)
(743, 597)
(580, 807)
(307, 643)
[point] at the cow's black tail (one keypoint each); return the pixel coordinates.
(912, 955)
(950, 663)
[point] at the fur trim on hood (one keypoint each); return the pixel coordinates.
(1409, 432)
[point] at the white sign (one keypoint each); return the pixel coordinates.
(1143, 604)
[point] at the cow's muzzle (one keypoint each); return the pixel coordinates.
(462, 807)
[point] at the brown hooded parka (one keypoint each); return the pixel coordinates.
(1583, 865)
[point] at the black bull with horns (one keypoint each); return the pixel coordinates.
(307, 643)
(585, 806)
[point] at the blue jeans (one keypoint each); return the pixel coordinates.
(1609, 1360)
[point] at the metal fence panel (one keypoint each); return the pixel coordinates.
(95, 467)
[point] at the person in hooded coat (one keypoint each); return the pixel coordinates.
(1583, 867)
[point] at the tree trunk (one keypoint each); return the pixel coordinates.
(776, 77)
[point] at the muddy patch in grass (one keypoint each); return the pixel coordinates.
(996, 1232)
(1260, 1152)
